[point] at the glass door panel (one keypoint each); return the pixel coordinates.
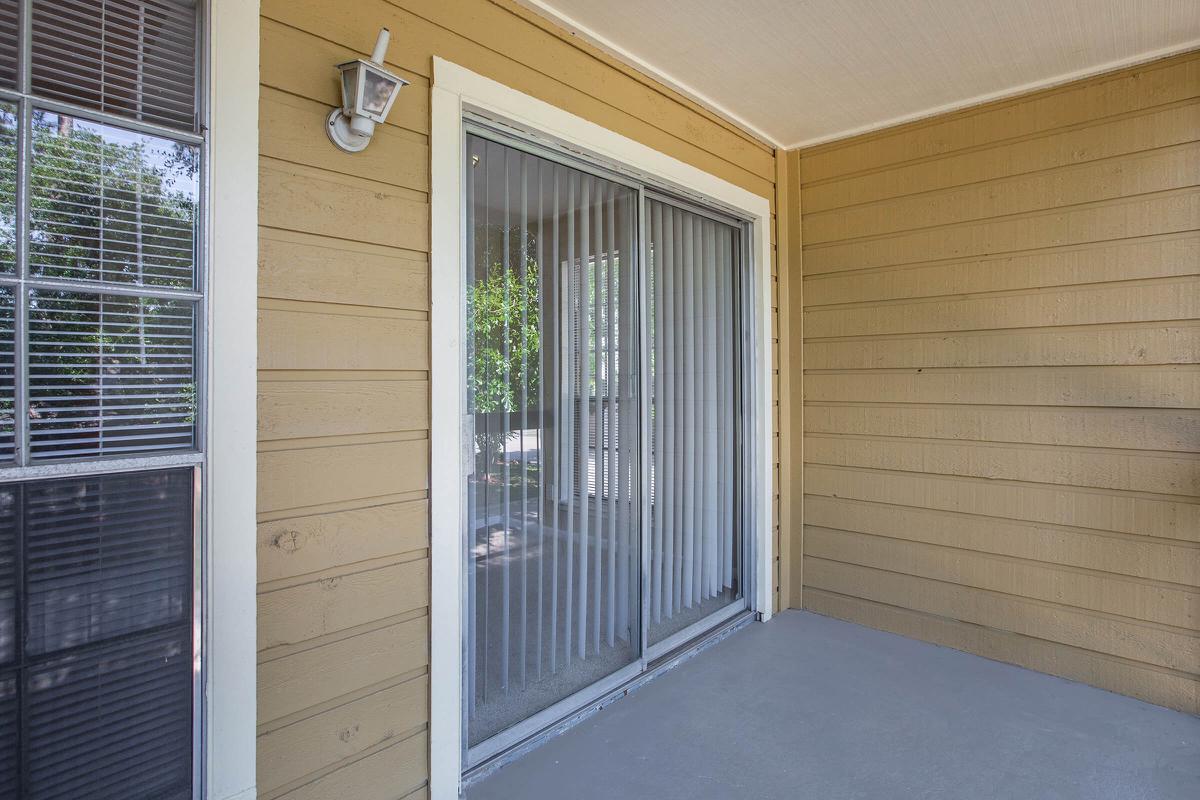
(551, 381)
(694, 537)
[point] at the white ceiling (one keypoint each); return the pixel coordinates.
(799, 72)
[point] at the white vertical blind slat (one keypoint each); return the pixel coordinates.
(569, 405)
(658, 485)
(714, 455)
(484, 486)
(672, 240)
(506, 348)
(612, 452)
(472, 203)
(688, 305)
(585, 417)
(627, 439)
(725, 316)
(598, 459)
(523, 270)
(555, 275)
(543, 418)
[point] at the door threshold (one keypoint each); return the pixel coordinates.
(656, 667)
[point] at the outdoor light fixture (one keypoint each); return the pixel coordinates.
(368, 91)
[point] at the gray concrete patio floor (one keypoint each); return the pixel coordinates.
(810, 707)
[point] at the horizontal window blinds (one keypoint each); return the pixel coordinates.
(694, 547)
(109, 374)
(9, 26)
(101, 646)
(109, 724)
(111, 205)
(136, 58)
(105, 557)
(8, 188)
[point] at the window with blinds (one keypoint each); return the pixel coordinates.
(100, 308)
(134, 58)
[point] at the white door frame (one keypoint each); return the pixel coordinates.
(454, 91)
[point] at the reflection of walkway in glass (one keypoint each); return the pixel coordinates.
(525, 589)
(525, 584)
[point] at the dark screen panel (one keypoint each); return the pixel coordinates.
(106, 556)
(96, 679)
(112, 722)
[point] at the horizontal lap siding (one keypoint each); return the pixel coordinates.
(344, 342)
(1001, 388)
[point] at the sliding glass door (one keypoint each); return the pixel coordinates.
(603, 474)
(551, 383)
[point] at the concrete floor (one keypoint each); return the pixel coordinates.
(810, 707)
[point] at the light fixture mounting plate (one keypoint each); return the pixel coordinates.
(337, 126)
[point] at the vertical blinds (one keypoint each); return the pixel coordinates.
(694, 549)
(552, 498)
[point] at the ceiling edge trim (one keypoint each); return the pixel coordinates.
(615, 50)
(1003, 94)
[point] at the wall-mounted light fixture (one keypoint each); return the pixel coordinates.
(368, 91)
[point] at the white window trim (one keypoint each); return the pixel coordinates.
(454, 90)
(230, 576)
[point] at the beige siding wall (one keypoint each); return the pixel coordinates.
(344, 356)
(1001, 335)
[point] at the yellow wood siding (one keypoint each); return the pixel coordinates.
(1001, 330)
(344, 358)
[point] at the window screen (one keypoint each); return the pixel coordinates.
(100, 654)
(100, 309)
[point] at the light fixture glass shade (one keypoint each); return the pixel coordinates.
(368, 89)
(349, 89)
(378, 90)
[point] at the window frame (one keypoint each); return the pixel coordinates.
(223, 501)
(23, 467)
